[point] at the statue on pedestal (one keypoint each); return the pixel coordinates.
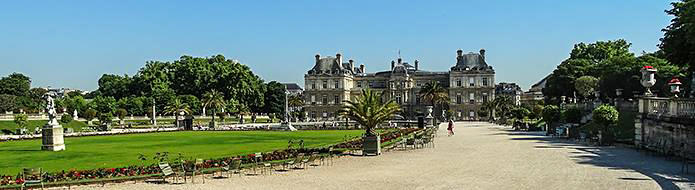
(52, 132)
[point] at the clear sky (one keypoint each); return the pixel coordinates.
(72, 43)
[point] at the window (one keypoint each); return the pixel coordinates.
(471, 81)
(335, 84)
(458, 83)
(471, 114)
(336, 99)
(313, 114)
(485, 98)
(325, 84)
(398, 99)
(325, 114)
(417, 100)
(471, 97)
(324, 100)
(359, 84)
(313, 100)
(484, 81)
(313, 85)
(458, 98)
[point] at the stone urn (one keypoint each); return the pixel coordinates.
(648, 79)
(371, 145)
(675, 85)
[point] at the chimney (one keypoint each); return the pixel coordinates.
(400, 60)
(318, 57)
(459, 54)
(339, 58)
(361, 68)
(482, 53)
(352, 64)
(393, 64)
(416, 64)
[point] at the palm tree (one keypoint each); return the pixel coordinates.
(295, 101)
(504, 104)
(369, 110)
(215, 100)
(176, 106)
(435, 93)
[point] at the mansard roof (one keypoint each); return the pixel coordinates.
(330, 65)
(471, 62)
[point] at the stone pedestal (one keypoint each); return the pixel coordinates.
(52, 138)
(287, 126)
(371, 145)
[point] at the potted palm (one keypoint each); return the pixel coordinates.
(215, 100)
(177, 109)
(436, 94)
(369, 110)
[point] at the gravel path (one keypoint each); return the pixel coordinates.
(479, 156)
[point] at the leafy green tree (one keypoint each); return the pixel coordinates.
(586, 85)
(503, 104)
(295, 101)
(89, 115)
(21, 120)
(104, 104)
(105, 118)
(121, 114)
(520, 113)
(78, 103)
(193, 103)
(572, 114)
(369, 110)
(601, 50)
(275, 98)
(607, 117)
(7, 103)
(678, 42)
(551, 115)
(15, 84)
(115, 86)
(65, 119)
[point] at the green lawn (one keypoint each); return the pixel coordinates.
(122, 150)
(32, 124)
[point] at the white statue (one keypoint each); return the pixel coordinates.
(50, 109)
(74, 114)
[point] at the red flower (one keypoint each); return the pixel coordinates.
(113, 170)
(648, 67)
(674, 80)
(19, 181)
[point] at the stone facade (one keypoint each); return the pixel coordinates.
(471, 82)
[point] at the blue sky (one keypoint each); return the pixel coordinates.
(72, 43)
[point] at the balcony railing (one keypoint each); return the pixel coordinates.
(672, 107)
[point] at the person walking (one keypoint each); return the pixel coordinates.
(450, 129)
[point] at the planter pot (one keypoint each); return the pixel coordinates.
(371, 145)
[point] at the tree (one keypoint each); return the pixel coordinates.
(520, 113)
(193, 103)
(586, 85)
(295, 101)
(175, 107)
(678, 42)
(21, 120)
(15, 84)
(369, 110)
(73, 103)
(115, 86)
(551, 115)
(606, 116)
(7, 103)
(89, 115)
(65, 119)
(104, 104)
(105, 118)
(601, 50)
(503, 105)
(572, 114)
(435, 93)
(214, 100)
(121, 113)
(274, 98)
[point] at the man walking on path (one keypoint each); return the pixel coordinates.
(451, 127)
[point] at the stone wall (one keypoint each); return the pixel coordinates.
(673, 132)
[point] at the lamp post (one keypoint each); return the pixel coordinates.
(675, 86)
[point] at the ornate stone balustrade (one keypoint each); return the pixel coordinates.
(669, 107)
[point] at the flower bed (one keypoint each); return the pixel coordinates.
(153, 169)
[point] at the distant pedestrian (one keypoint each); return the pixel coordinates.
(450, 129)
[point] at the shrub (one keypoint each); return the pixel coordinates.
(520, 113)
(21, 120)
(551, 113)
(121, 113)
(90, 114)
(572, 115)
(66, 118)
(605, 115)
(105, 118)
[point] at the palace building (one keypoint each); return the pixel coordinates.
(470, 82)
